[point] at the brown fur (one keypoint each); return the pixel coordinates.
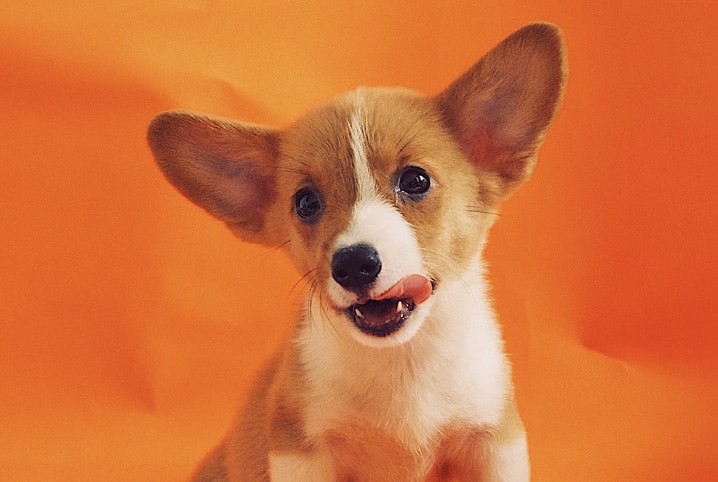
(478, 138)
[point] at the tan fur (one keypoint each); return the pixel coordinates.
(478, 139)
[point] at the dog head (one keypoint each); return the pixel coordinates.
(379, 195)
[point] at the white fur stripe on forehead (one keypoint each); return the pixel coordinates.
(375, 221)
(366, 187)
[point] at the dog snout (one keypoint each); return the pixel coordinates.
(356, 267)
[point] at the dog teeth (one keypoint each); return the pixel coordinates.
(399, 307)
(358, 313)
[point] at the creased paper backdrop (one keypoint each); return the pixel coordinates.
(131, 322)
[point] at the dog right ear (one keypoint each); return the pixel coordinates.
(500, 109)
(225, 167)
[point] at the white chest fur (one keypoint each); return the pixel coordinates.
(453, 370)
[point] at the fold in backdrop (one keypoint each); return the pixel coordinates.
(131, 322)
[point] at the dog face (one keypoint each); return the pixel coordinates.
(379, 195)
(382, 205)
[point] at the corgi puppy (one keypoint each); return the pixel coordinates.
(395, 369)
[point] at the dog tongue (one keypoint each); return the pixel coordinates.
(415, 286)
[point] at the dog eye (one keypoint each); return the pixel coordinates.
(307, 205)
(414, 181)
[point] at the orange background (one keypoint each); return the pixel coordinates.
(131, 322)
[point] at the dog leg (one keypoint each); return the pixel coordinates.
(296, 467)
(212, 467)
(507, 461)
(486, 454)
(486, 459)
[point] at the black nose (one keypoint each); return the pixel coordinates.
(356, 266)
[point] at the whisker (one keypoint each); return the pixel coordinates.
(441, 255)
(326, 314)
(410, 134)
(474, 209)
(272, 251)
(310, 301)
(292, 170)
(304, 278)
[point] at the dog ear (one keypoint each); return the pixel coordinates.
(225, 167)
(501, 108)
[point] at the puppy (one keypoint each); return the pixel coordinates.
(395, 370)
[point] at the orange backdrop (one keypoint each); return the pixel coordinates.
(130, 322)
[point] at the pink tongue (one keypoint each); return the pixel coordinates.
(415, 286)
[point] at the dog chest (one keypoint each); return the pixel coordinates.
(453, 371)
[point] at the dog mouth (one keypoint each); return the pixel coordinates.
(387, 313)
(381, 317)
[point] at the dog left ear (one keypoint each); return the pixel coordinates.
(225, 167)
(500, 109)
